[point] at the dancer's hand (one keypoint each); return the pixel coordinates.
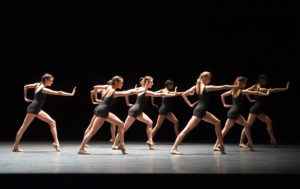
(227, 105)
(98, 101)
(194, 104)
(155, 105)
(130, 105)
(27, 100)
(74, 90)
(287, 85)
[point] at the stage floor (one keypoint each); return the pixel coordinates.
(41, 157)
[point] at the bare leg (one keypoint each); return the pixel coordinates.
(46, 118)
(96, 126)
(145, 119)
(28, 119)
(159, 122)
(264, 118)
(113, 133)
(194, 121)
(89, 128)
(112, 118)
(229, 123)
(128, 122)
(250, 121)
(171, 117)
(241, 120)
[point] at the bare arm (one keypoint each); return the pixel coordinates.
(220, 87)
(26, 87)
(276, 89)
(155, 94)
(94, 97)
(127, 101)
(96, 87)
(258, 93)
(61, 93)
(228, 93)
(188, 93)
(252, 88)
(249, 98)
(128, 92)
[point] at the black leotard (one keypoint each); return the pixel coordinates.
(37, 102)
(166, 105)
(201, 108)
(139, 105)
(103, 108)
(237, 104)
(259, 105)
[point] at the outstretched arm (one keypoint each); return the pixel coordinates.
(128, 92)
(276, 89)
(220, 87)
(61, 93)
(258, 93)
(155, 94)
(26, 87)
(228, 93)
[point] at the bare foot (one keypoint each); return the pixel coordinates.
(86, 146)
(176, 152)
(216, 148)
(274, 143)
(222, 149)
(150, 144)
(122, 147)
(250, 147)
(83, 152)
(112, 140)
(17, 149)
(115, 147)
(56, 146)
(242, 145)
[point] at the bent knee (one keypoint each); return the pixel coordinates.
(218, 122)
(52, 123)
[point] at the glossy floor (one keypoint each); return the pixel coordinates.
(40, 157)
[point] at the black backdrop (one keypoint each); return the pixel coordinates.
(83, 44)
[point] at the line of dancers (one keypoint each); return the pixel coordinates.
(112, 90)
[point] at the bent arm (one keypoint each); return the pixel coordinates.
(258, 93)
(223, 97)
(29, 86)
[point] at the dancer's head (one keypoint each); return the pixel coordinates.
(169, 84)
(47, 79)
(147, 82)
(262, 80)
(141, 81)
(241, 81)
(204, 78)
(109, 82)
(117, 82)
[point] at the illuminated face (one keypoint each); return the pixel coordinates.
(170, 86)
(243, 84)
(149, 84)
(206, 80)
(49, 82)
(120, 83)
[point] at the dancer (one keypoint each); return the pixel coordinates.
(35, 109)
(165, 110)
(257, 110)
(136, 111)
(102, 113)
(202, 89)
(95, 100)
(234, 116)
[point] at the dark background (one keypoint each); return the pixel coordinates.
(87, 43)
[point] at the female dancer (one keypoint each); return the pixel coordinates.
(35, 109)
(202, 89)
(102, 113)
(95, 100)
(165, 110)
(234, 116)
(257, 109)
(136, 111)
